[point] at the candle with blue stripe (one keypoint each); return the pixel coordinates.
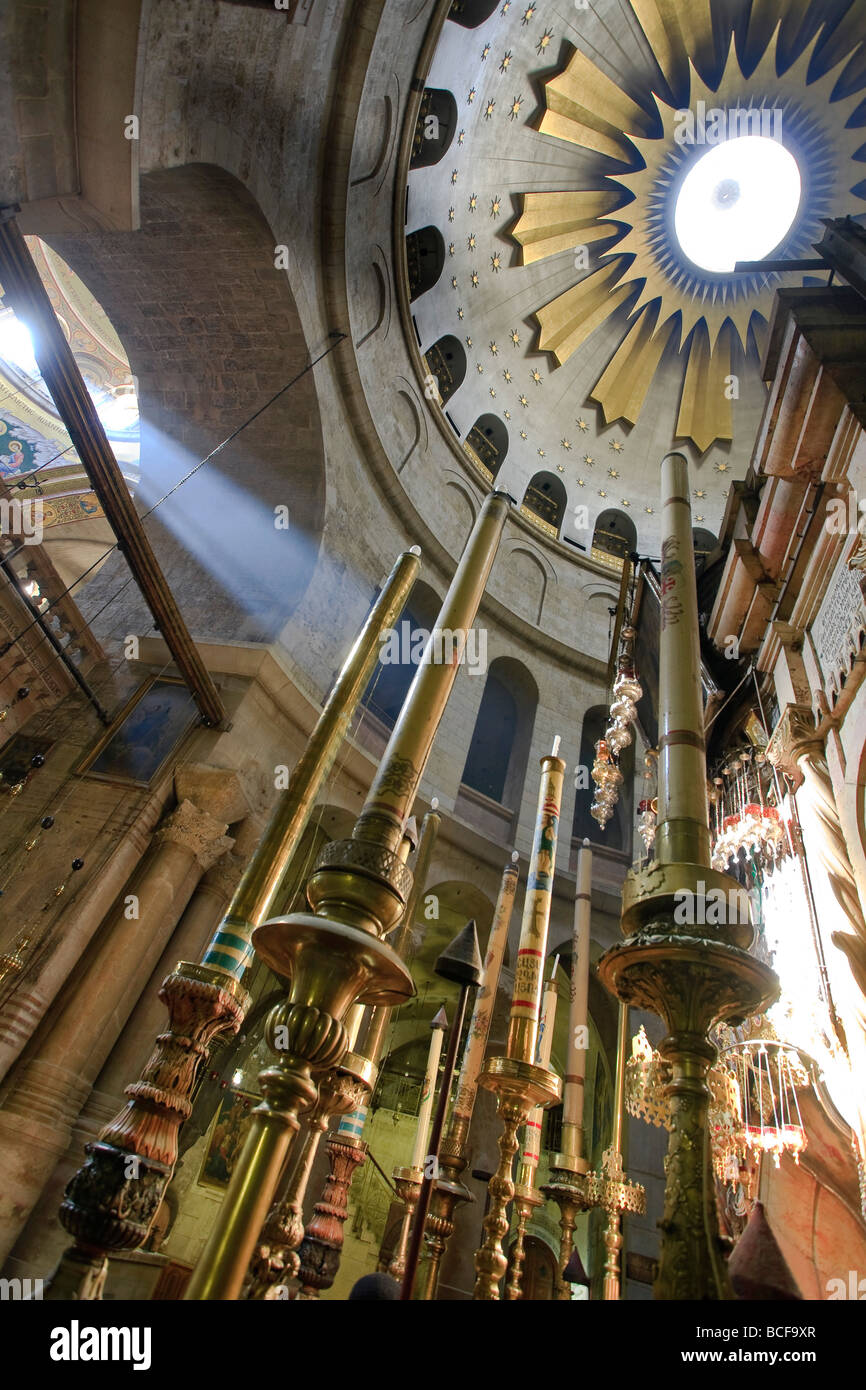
(526, 997)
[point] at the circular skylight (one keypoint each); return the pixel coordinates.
(737, 202)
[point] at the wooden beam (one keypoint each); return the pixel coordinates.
(25, 293)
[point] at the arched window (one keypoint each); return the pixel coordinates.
(446, 361)
(425, 257)
(705, 543)
(617, 833)
(546, 498)
(499, 750)
(435, 127)
(470, 13)
(488, 440)
(400, 654)
(615, 534)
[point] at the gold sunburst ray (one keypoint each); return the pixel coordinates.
(667, 302)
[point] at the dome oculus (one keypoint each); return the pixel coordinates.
(737, 202)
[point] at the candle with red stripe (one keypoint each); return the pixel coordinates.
(532, 1131)
(578, 1019)
(526, 998)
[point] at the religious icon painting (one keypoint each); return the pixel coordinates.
(145, 735)
(226, 1138)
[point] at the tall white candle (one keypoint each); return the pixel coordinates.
(419, 1153)
(578, 1015)
(532, 1131)
(485, 999)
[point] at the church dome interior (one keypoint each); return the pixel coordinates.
(432, 676)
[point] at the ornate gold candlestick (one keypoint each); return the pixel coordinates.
(452, 1153)
(408, 1180)
(323, 1241)
(526, 1199)
(518, 1083)
(208, 1000)
(276, 1259)
(408, 1184)
(567, 1183)
(690, 975)
(609, 1188)
(336, 955)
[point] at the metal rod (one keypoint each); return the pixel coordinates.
(53, 640)
(27, 295)
(431, 1176)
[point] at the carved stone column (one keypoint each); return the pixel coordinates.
(797, 749)
(51, 1088)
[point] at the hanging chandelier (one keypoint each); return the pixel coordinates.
(648, 807)
(647, 1075)
(627, 690)
(743, 816)
(768, 1074)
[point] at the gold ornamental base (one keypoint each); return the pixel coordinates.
(691, 982)
(566, 1187)
(518, 1087)
(408, 1184)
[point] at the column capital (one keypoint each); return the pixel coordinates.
(794, 736)
(217, 790)
(225, 875)
(197, 831)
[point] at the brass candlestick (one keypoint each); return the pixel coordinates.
(453, 1159)
(408, 1184)
(322, 1263)
(609, 1188)
(567, 1183)
(567, 1189)
(275, 1259)
(206, 1001)
(691, 976)
(335, 955)
(526, 1199)
(460, 962)
(516, 1080)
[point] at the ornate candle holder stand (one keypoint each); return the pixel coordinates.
(111, 1201)
(408, 1184)
(334, 964)
(449, 1192)
(518, 1086)
(691, 981)
(611, 1190)
(323, 1239)
(566, 1187)
(526, 1199)
(276, 1259)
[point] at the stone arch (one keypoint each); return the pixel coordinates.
(498, 752)
(434, 129)
(546, 497)
(469, 14)
(488, 440)
(204, 241)
(465, 505)
(393, 675)
(379, 297)
(425, 259)
(526, 577)
(446, 361)
(615, 533)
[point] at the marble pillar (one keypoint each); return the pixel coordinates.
(51, 1087)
